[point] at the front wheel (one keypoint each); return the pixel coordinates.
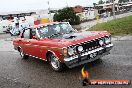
(55, 63)
(23, 56)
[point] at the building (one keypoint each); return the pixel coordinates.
(119, 7)
(78, 9)
(11, 15)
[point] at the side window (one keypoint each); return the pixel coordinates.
(57, 29)
(26, 34)
(33, 32)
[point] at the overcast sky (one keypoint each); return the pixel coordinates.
(24, 5)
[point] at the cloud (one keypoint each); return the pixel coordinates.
(24, 5)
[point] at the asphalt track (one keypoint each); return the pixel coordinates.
(34, 73)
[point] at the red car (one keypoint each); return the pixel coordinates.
(61, 45)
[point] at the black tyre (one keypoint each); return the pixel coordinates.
(55, 63)
(23, 56)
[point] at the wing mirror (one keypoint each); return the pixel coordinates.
(35, 37)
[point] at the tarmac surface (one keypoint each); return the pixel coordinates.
(34, 73)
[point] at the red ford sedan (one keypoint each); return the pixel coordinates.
(61, 45)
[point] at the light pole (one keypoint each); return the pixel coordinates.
(113, 9)
(49, 11)
(48, 7)
(66, 3)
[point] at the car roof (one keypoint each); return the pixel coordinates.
(42, 25)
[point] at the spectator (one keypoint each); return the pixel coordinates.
(23, 25)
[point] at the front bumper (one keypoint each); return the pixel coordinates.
(86, 57)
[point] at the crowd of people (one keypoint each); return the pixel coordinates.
(16, 27)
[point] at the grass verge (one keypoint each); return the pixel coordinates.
(121, 26)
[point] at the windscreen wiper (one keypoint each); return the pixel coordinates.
(69, 32)
(53, 35)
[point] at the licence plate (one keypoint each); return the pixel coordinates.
(93, 55)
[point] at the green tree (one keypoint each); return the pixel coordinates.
(101, 2)
(94, 4)
(107, 1)
(121, 1)
(67, 15)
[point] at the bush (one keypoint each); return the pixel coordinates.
(67, 15)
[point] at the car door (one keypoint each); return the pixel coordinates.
(25, 41)
(36, 44)
(35, 49)
(32, 46)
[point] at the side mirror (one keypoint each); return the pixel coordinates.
(34, 37)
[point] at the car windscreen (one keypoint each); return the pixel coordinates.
(61, 28)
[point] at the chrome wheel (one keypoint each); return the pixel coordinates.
(54, 62)
(23, 55)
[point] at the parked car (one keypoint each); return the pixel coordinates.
(131, 10)
(61, 45)
(14, 31)
(6, 29)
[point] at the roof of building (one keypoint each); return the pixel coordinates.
(16, 12)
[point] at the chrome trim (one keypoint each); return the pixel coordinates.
(86, 53)
(110, 45)
(86, 61)
(36, 57)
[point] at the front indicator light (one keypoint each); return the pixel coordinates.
(65, 51)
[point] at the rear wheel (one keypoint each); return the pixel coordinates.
(23, 56)
(55, 63)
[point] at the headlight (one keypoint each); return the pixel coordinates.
(107, 40)
(80, 48)
(101, 42)
(70, 51)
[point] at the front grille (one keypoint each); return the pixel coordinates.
(91, 45)
(88, 45)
